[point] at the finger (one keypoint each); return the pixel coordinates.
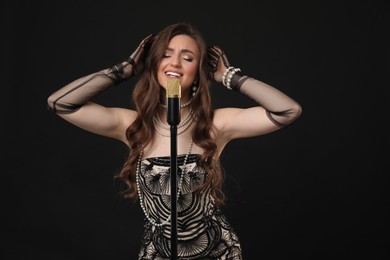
(213, 56)
(213, 59)
(214, 52)
(147, 38)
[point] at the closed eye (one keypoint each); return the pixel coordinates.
(186, 54)
(184, 57)
(190, 59)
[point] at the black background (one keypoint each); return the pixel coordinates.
(316, 190)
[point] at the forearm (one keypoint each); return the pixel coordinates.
(281, 109)
(71, 97)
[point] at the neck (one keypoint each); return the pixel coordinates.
(183, 103)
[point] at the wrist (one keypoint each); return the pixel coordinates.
(232, 78)
(237, 81)
(120, 72)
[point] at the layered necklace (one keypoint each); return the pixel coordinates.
(179, 187)
(182, 126)
(181, 106)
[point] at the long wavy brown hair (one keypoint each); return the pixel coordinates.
(147, 96)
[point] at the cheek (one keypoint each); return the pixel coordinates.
(161, 80)
(192, 73)
(193, 70)
(161, 75)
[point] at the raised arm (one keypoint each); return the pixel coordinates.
(275, 110)
(72, 102)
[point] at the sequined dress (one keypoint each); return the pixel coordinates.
(202, 230)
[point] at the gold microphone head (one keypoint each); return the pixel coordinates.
(173, 88)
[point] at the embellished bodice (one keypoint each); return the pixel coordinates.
(202, 231)
(155, 186)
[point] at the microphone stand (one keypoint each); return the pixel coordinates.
(173, 192)
(173, 118)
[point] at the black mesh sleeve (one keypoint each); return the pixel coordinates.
(75, 94)
(281, 109)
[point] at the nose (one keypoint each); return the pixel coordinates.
(176, 62)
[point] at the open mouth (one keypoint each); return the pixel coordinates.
(173, 74)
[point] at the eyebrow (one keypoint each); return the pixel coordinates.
(182, 51)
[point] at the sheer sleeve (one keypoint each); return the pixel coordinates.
(71, 97)
(280, 108)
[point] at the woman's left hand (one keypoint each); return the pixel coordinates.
(218, 62)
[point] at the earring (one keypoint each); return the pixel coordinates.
(194, 87)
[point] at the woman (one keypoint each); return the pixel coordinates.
(178, 52)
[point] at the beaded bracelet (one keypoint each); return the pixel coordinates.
(229, 73)
(225, 74)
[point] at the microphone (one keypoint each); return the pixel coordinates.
(173, 117)
(173, 101)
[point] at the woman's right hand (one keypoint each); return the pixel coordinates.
(137, 58)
